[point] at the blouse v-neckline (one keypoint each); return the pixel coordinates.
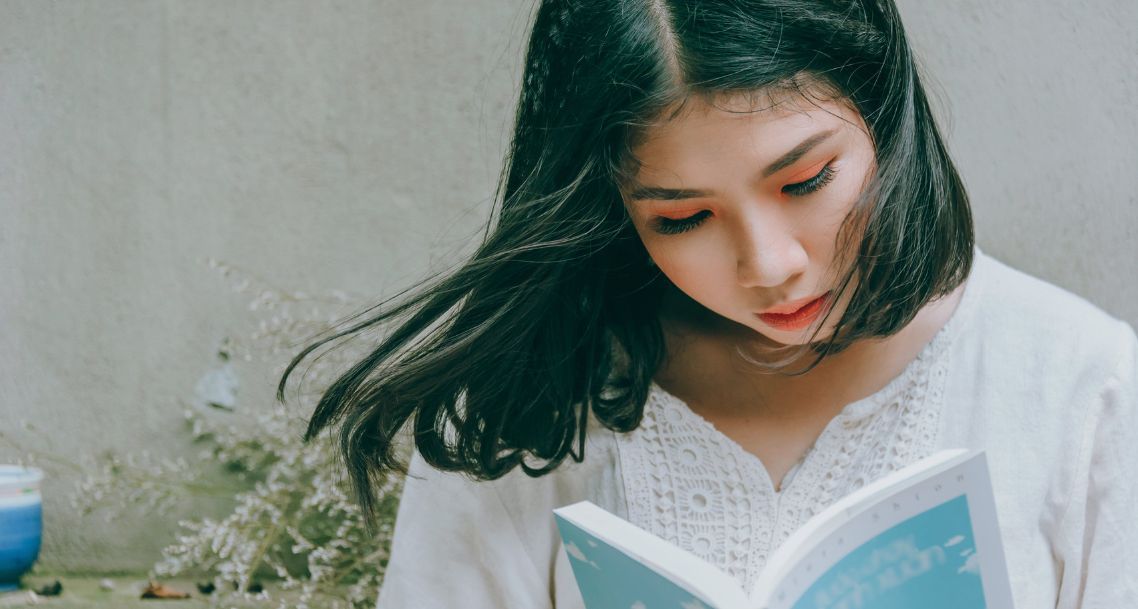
(849, 414)
(693, 485)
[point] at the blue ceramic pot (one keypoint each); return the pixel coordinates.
(21, 522)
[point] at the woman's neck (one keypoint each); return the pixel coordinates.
(704, 366)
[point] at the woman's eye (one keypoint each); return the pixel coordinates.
(672, 226)
(801, 189)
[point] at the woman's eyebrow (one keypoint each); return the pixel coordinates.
(672, 194)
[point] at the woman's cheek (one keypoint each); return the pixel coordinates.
(696, 272)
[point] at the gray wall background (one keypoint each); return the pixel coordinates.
(354, 145)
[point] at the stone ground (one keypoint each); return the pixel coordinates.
(84, 592)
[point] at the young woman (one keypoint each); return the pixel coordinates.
(733, 277)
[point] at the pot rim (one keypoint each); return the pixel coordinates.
(18, 476)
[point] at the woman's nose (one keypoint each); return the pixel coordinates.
(769, 253)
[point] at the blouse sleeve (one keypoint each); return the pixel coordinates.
(454, 546)
(1099, 549)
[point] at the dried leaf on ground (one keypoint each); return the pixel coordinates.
(157, 590)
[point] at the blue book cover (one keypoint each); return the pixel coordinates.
(925, 536)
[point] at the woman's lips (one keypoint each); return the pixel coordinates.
(800, 318)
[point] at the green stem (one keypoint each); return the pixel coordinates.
(39, 454)
(346, 569)
(269, 539)
(259, 556)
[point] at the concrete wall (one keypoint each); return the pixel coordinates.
(330, 145)
(354, 144)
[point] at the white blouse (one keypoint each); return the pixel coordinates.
(1043, 380)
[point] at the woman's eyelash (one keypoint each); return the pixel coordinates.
(670, 226)
(813, 184)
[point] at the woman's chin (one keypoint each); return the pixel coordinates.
(759, 335)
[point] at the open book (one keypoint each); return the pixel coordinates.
(924, 536)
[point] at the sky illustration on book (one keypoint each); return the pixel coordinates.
(926, 561)
(609, 579)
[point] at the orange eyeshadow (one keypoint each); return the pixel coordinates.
(807, 173)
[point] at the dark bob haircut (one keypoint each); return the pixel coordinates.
(498, 363)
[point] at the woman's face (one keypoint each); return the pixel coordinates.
(741, 210)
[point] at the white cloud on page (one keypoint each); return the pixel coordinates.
(971, 565)
(576, 552)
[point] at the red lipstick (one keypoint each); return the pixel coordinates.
(796, 315)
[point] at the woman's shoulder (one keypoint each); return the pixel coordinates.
(519, 495)
(515, 509)
(1022, 310)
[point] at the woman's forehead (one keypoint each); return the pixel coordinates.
(803, 92)
(704, 123)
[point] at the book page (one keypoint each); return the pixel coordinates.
(934, 544)
(624, 567)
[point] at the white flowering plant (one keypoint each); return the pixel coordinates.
(294, 522)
